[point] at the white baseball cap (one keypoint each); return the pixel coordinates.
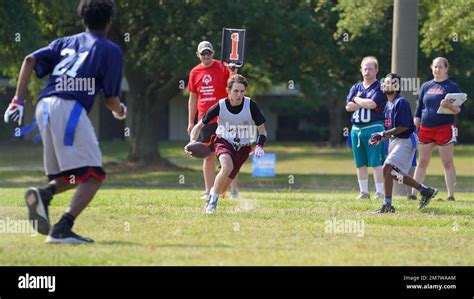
(205, 45)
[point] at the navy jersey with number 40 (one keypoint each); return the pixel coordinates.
(373, 92)
(80, 66)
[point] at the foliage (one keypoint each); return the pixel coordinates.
(317, 45)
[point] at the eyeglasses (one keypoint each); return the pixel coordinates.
(206, 53)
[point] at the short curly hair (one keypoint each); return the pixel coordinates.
(95, 13)
(237, 79)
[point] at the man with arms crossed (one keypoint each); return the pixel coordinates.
(366, 101)
(238, 116)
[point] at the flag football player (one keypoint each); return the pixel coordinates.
(239, 120)
(71, 154)
(207, 85)
(400, 129)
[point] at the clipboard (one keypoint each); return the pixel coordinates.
(456, 98)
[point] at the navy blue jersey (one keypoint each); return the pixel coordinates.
(398, 114)
(80, 66)
(373, 92)
(431, 94)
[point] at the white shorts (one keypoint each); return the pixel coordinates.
(401, 154)
(58, 157)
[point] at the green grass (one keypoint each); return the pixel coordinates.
(146, 217)
(169, 227)
(309, 166)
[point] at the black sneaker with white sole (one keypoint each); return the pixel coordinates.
(427, 196)
(37, 200)
(64, 235)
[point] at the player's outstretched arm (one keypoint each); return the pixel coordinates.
(119, 110)
(261, 130)
(14, 111)
(262, 137)
(395, 131)
(25, 73)
(192, 109)
(196, 131)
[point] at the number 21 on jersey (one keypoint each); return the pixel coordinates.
(70, 64)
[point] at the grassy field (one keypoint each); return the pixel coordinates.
(145, 217)
(311, 167)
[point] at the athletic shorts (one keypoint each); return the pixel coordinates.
(77, 162)
(238, 157)
(208, 133)
(402, 151)
(441, 135)
(364, 154)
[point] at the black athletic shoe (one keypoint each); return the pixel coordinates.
(385, 209)
(37, 200)
(425, 199)
(411, 197)
(64, 235)
(450, 198)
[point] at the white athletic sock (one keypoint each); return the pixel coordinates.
(364, 186)
(379, 188)
(214, 195)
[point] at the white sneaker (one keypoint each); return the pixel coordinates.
(211, 207)
(234, 195)
(205, 195)
(67, 237)
(363, 195)
(379, 196)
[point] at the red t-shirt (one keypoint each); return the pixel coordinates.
(209, 83)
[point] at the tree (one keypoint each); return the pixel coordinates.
(316, 44)
(159, 39)
(163, 37)
(443, 22)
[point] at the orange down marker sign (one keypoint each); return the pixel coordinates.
(234, 55)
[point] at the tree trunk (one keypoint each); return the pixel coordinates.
(335, 121)
(405, 55)
(147, 101)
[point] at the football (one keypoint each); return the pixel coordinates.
(198, 149)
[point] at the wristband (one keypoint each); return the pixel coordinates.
(17, 100)
(261, 140)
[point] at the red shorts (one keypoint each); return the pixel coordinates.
(441, 135)
(238, 157)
